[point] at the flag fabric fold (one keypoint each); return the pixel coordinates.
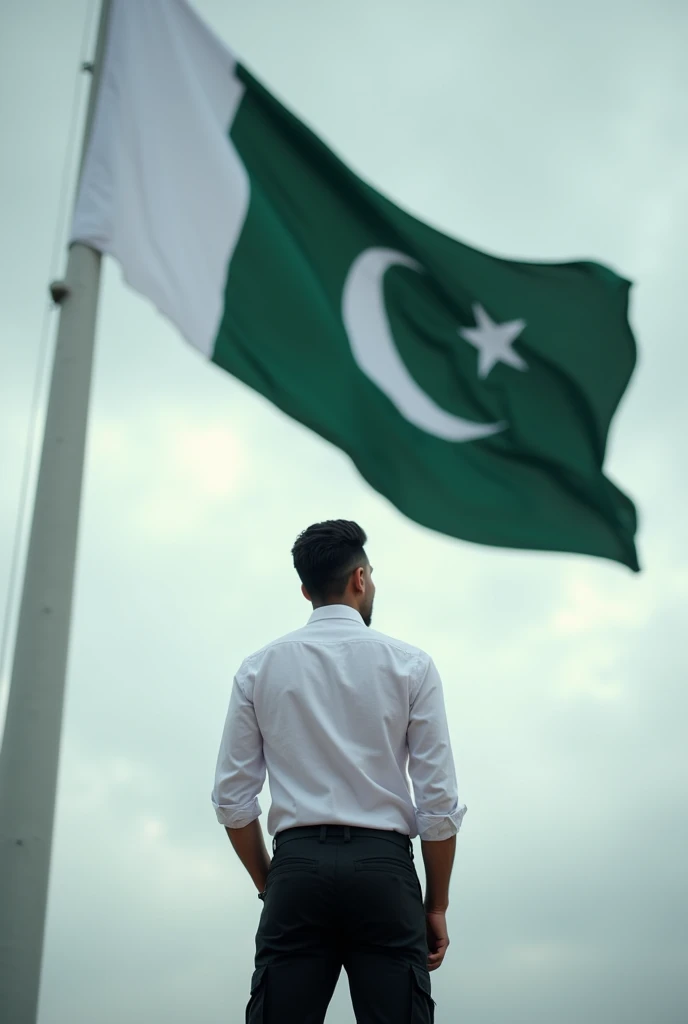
(473, 392)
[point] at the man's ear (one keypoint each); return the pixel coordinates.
(305, 593)
(359, 580)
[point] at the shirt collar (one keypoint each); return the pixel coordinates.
(336, 611)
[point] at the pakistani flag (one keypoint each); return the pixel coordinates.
(475, 393)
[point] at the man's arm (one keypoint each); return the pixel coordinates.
(431, 767)
(438, 858)
(250, 848)
(239, 778)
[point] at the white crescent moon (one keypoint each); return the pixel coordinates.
(373, 348)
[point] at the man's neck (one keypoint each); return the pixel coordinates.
(340, 600)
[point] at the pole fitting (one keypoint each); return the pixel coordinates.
(59, 291)
(88, 66)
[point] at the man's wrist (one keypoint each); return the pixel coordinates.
(433, 907)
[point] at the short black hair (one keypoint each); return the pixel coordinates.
(326, 554)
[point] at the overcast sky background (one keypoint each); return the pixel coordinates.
(530, 129)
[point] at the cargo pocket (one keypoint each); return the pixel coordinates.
(255, 1011)
(422, 1003)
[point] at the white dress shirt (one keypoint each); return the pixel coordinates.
(335, 711)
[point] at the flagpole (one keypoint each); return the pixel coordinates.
(29, 757)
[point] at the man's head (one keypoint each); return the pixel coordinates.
(333, 567)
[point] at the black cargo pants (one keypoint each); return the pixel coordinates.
(341, 896)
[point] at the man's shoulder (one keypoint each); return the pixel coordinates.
(409, 650)
(293, 637)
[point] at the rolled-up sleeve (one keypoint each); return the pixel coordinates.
(439, 812)
(240, 771)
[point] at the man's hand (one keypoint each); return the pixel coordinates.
(438, 937)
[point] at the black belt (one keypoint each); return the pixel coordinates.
(322, 831)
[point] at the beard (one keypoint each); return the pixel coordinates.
(367, 614)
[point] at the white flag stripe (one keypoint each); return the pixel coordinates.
(163, 189)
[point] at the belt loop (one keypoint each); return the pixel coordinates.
(323, 830)
(347, 834)
(274, 845)
(411, 847)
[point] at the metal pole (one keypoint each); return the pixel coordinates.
(29, 757)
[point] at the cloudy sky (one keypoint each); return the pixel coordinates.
(530, 128)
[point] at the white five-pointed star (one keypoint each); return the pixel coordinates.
(493, 341)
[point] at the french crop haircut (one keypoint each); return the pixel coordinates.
(326, 554)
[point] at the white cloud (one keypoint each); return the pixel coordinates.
(169, 469)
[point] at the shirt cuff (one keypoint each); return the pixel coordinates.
(435, 827)
(237, 817)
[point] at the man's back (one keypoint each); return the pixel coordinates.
(340, 709)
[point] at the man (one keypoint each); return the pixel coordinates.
(335, 711)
